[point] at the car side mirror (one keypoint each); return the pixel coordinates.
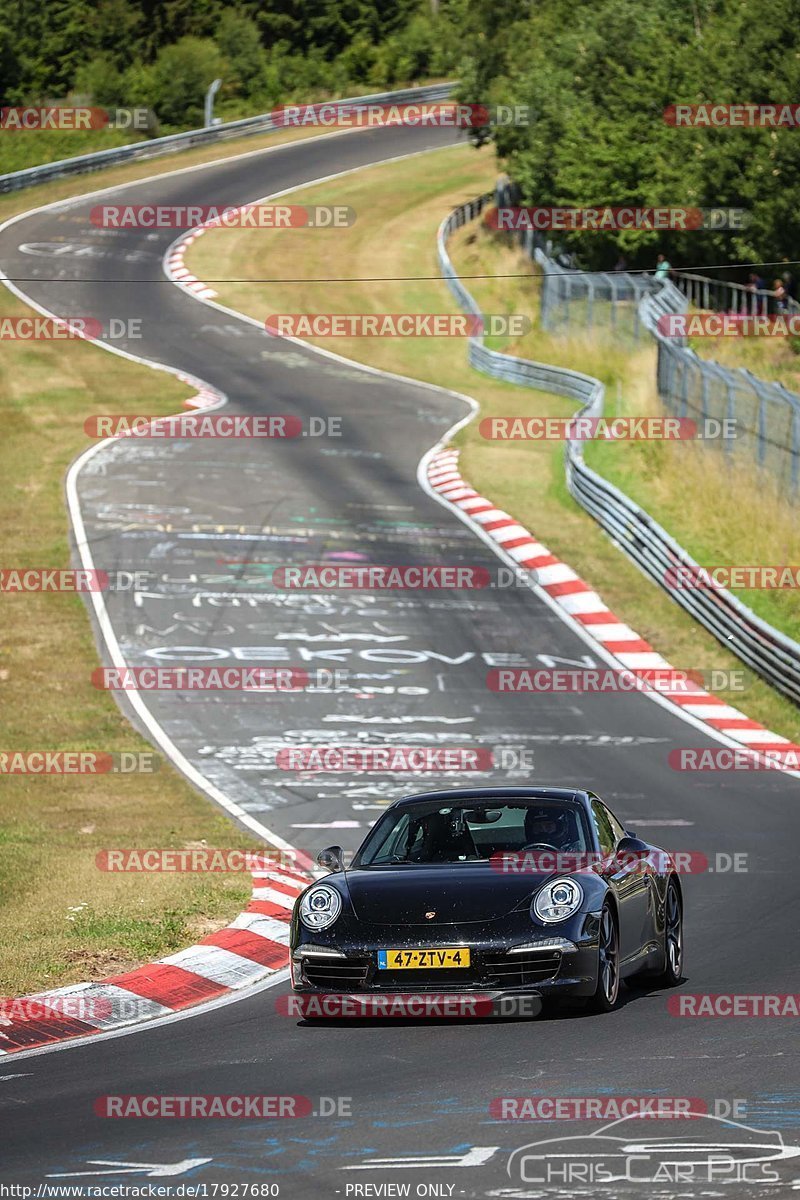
(631, 847)
(331, 858)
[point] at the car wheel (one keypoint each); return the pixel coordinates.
(673, 939)
(606, 995)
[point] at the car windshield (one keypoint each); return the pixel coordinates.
(472, 831)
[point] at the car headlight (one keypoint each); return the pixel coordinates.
(320, 907)
(558, 900)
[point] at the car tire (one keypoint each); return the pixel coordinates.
(672, 973)
(606, 995)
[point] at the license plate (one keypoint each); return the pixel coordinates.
(418, 960)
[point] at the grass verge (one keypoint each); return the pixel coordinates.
(406, 202)
(773, 358)
(62, 919)
(21, 149)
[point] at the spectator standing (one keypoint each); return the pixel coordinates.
(780, 295)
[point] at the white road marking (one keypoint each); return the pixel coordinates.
(658, 823)
(331, 825)
(476, 1156)
(151, 1170)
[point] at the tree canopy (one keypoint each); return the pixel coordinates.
(598, 79)
(165, 53)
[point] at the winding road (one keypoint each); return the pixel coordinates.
(202, 518)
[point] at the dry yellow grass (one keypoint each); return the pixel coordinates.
(774, 358)
(61, 919)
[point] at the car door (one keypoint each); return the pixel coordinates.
(631, 883)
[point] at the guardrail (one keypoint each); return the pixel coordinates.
(264, 123)
(769, 652)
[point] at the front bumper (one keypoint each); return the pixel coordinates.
(545, 961)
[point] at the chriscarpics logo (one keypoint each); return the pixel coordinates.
(699, 1155)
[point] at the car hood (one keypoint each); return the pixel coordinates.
(456, 894)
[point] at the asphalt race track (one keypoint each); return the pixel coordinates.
(203, 518)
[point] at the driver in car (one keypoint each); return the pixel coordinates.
(551, 828)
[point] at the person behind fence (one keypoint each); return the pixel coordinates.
(790, 284)
(755, 283)
(502, 191)
(778, 297)
(662, 268)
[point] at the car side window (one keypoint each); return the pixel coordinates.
(393, 844)
(619, 829)
(605, 830)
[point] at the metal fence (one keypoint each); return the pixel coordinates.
(768, 651)
(764, 416)
(721, 295)
(597, 300)
(263, 123)
(611, 299)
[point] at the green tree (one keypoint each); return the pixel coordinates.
(10, 68)
(119, 32)
(102, 82)
(181, 76)
(597, 81)
(52, 41)
(245, 60)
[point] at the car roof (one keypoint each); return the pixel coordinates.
(497, 793)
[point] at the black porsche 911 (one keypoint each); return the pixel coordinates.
(492, 891)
